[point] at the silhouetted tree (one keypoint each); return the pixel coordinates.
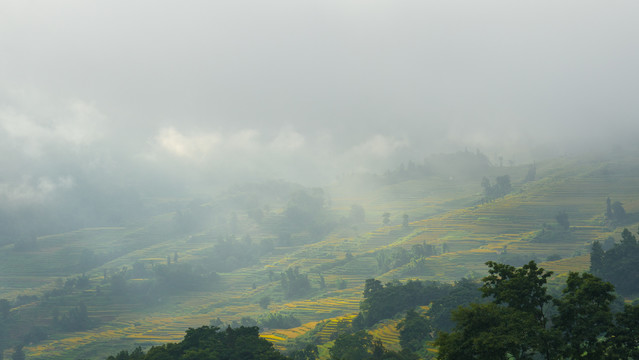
(18, 354)
(618, 212)
(596, 258)
(584, 315)
(264, 302)
(413, 331)
(386, 218)
(562, 220)
(5, 307)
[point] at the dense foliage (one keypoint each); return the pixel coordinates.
(361, 346)
(293, 283)
(384, 301)
(524, 322)
(500, 188)
(209, 343)
(618, 264)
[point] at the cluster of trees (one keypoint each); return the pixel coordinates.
(279, 321)
(523, 321)
(230, 253)
(243, 343)
(293, 283)
(306, 218)
(13, 328)
(210, 343)
(615, 212)
(500, 188)
(553, 233)
(464, 164)
(76, 319)
(274, 320)
(393, 258)
(408, 171)
(618, 264)
(384, 301)
(161, 279)
(360, 345)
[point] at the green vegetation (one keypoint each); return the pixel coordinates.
(515, 324)
(279, 321)
(277, 249)
(209, 343)
(618, 264)
(384, 301)
(500, 188)
(293, 283)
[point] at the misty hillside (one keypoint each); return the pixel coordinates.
(276, 168)
(280, 255)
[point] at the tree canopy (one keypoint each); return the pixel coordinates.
(516, 323)
(210, 343)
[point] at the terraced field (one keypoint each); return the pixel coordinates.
(443, 212)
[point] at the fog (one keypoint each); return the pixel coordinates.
(167, 96)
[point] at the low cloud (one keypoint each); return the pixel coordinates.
(33, 191)
(75, 123)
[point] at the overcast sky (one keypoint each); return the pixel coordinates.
(303, 89)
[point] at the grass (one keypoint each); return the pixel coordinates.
(441, 211)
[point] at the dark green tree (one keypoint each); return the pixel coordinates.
(608, 208)
(209, 343)
(562, 220)
(463, 293)
(5, 307)
(414, 330)
(293, 283)
(627, 238)
(596, 258)
(489, 332)
(264, 302)
(18, 354)
(386, 218)
(520, 288)
(513, 326)
(584, 315)
(619, 264)
(623, 339)
(357, 345)
(618, 212)
(279, 321)
(309, 352)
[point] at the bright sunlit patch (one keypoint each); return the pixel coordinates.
(187, 146)
(288, 140)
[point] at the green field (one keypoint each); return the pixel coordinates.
(443, 212)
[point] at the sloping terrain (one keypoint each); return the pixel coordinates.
(444, 212)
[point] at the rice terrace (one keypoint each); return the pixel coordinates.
(146, 282)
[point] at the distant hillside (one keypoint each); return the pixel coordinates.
(308, 252)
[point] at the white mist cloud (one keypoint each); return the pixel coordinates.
(33, 190)
(288, 140)
(306, 89)
(73, 124)
(194, 146)
(378, 146)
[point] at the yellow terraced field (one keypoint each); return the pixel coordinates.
(441, 212)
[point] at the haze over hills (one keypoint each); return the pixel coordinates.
(279, 248)
(167, 165)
